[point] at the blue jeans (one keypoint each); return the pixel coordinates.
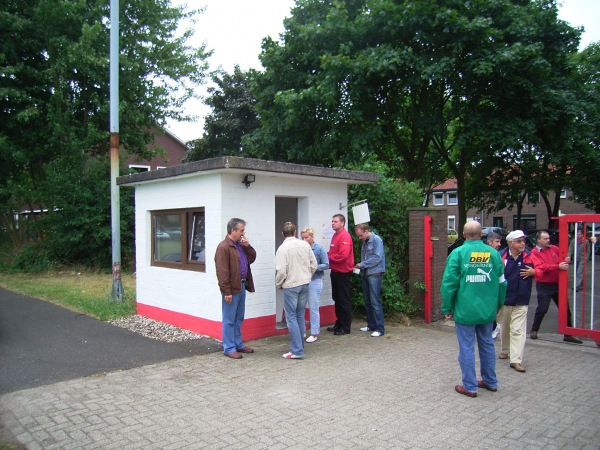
(372, 293)
(294, 304)
(466, 355)
(314, 294)
(233, 316)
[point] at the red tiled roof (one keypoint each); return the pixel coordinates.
(448, 185)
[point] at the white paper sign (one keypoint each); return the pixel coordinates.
(328, 232)
(361, 213)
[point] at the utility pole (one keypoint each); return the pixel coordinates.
(115, 201)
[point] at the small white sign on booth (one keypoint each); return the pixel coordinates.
(361, 213)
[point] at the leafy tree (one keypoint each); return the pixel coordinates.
(76, 230)
(339, 89)
(506, 94)
(585, 176)
(542, 158)
(233, 116)
(418, 84)
(55, 92)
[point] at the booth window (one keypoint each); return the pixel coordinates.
(178, 239)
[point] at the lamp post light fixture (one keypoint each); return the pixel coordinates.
(249, 178)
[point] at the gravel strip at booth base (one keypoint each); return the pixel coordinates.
(155, 329)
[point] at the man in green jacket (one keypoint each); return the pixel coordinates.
(473, 291)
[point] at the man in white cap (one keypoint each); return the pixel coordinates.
(519, 273)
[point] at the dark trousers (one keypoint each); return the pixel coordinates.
(546, 292)
(340, 292)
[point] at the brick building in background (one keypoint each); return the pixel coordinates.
(533, 215)
(174, 153)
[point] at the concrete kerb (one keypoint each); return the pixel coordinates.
(350, 391)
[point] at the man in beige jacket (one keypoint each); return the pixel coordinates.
(295, 264)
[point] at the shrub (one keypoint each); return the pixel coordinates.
(31, 258)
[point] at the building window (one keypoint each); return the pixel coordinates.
(452, 222)
(533, 198)
(563, 193)
(528, 222)
(438, 199)
(452, 198)
(136, 168)
(178, 239)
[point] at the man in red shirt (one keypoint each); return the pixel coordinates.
(341, 263)
(547, 264)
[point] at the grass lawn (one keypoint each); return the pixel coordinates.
(84, 292)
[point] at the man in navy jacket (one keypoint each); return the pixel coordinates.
(519, 273)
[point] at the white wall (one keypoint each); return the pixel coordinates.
(182, 291)
(224, 196)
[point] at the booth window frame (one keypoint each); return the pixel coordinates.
(192, 225)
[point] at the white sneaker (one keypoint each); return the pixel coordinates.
(365, 329)
(290, 355)
(497, 331)
(311, 338)
(375, 334)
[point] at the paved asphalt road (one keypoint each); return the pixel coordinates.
(41, 343)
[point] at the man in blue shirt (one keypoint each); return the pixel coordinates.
(372, 267)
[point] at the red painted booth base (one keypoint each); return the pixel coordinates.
(252, 328)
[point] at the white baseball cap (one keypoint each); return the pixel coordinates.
(514, 235)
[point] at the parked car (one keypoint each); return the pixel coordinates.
(452, 236)
(174, 233)
(501, 231)
(161, 234)
(533, 241)
(460, 241)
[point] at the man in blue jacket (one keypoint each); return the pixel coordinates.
(473, 291)
(372, 268)
(519, 273)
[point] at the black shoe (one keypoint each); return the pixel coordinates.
(572, 340)
(533, 335)
(339, 332)
(332, 329)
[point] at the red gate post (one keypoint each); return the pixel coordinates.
(427, 268)
(563, 275)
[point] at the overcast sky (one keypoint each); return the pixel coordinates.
(234, 29)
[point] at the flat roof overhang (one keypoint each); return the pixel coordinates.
(237, 164)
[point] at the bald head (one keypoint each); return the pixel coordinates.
(472, 230)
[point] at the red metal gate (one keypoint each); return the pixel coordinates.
(581, 291)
